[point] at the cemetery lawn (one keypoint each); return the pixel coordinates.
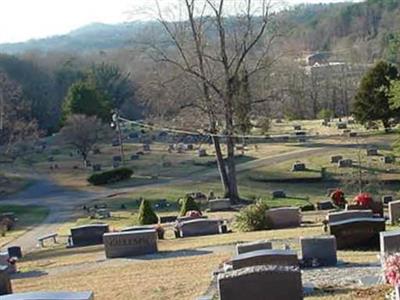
(182, 268)
(10, 184)
(28, 216)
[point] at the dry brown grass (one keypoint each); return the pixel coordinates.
(179, 278)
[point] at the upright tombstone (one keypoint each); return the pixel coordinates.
(87, 235)
(284, 217)
(345, 163)
(387, 199)
(130, 243)
(117, 158)
(278, 194)
(372, 151)
(389, 243)
(348, 215)
(201, 153)
(253, 246)
(219, 204)
(341, 125)
(297, 127)
(277, 257)
(96, 168)
(336, 158)
(321, 248)
(357, 233)
(5, 282)
(261, 283)
(325, 205)
(298, 167)
(388, 159)
(199, 227)
(50, 296)
(146, 147)
(394, 212)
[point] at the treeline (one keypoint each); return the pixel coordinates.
(362, 32)
(44, 81)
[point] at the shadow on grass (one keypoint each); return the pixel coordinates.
(29, 274)
(172, 254)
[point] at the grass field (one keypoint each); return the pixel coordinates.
(28, 216)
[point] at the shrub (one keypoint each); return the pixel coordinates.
(110, 176)
(147, 216)
(189, 204)
(253, 217)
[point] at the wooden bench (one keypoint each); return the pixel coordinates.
(46, 237)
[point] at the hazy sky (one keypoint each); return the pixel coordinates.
(25, 19)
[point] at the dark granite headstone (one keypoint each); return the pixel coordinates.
(130, 243)
(297, 167)
(278, 194)
(5, 282)
(321, 248)
(372, 152)
(15, 252)
(168, 219)
(50, 296)
(265, 257)
(117, 158)
(345, 163)
(88, 234)
(357, 233)
(387, 198)
(96, 168)
(335, 158)
(201, 153)
(325, 205)
(261, 283)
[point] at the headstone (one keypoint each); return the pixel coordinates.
(130, 243)
(297, 167)
(325, 205)
(88, 234)
(284, 217)
(219, 204)
(349, 214)
(5, 282)
(278, 257)
(199, 227)
(372, 151)
(321, 248)
(115, 164)
(352, 134)
(278, 194)
(117, 158)
(345, 163)
(261, 283)
(389, 243)
(388, 159)
(146, 147)
(50, 296)
(189, 218)
(115, 143)
(297, 127)
(96, 168)
(336, 158)
(394, 212)
(341, 125)
(189, 147)
(14, 252)
(167, 219)
(357, 233)
(201, 153)
(387, 198)
(135, 157)
(253, 246)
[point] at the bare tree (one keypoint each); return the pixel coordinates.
(83, 132)
(221, 45)
(18, 128)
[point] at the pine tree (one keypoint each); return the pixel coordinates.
(146, 214)
(371, 102)
(188, 204)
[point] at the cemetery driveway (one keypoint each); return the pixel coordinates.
(62, 203)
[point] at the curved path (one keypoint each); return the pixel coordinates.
(63, 203)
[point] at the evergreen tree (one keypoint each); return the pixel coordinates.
(188, 204)
(146, 214)
(371, 102)
(85, 99)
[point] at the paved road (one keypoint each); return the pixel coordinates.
(63, 202)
